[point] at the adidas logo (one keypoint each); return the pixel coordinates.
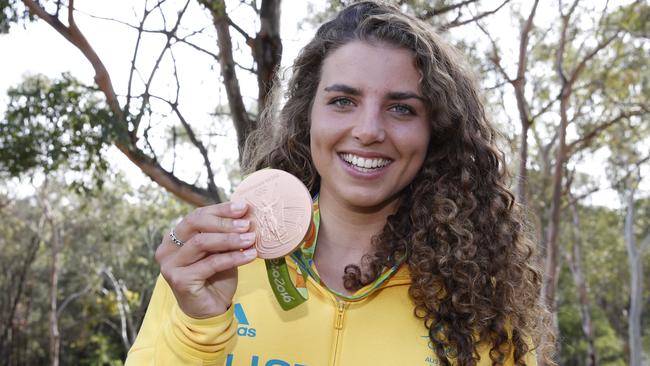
(244, 329)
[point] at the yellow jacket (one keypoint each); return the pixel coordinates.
(377, 330)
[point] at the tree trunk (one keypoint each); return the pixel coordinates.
(267, 50)
(550, 247)
(241, 121)
(522, 177)
(55, 336)
(552, 257)
(13, 326)
(581, 285)
(56, 244)
(634, 256)
(127, 335)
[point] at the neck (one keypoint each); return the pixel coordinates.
(344, 237)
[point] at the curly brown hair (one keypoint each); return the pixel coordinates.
(473, 267)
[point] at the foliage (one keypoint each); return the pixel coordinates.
(609, 345)
(11, 12)
(53, 122)
(59, 126)
(608, 284)
(117, 230)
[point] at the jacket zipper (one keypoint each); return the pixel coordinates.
(338, 326)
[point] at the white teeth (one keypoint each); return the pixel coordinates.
(364, 164)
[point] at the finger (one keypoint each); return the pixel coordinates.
(200, 245)
(232, 209)
(203, 223)
(223, 217)
(215, 263)
(203, 244)
(165, 250)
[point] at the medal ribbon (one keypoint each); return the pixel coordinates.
(290, 295)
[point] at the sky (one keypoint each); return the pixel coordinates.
(37, 48)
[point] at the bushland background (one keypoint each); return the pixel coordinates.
(116, 118)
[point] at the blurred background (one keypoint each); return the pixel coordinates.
(116, 118)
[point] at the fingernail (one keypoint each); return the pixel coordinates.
(241, 223)
(237, 206)
(250, 252)
(247, 237)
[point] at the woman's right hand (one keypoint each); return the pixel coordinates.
(203, 272)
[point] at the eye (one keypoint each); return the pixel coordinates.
(403, 109)
(341, 102)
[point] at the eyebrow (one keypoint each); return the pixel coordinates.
(404, 95)
(355, 91)
(343, 89)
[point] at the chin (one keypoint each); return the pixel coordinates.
(372, 202)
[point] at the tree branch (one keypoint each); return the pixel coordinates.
(444, 9)
(267, 50)
(164, 50)
(187, 192)
(586, 138)
(140, 29)
(545, 108)
(199, 145)
(495, 58)
(243, 125)
(578, 69)
(74, 36)
(248, 38)
(523, 42)
(559, 64)
(119, 297)
(520, 82)
(71, 298)
(198, 48)
(457, 23)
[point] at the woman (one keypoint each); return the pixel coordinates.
(421, 258)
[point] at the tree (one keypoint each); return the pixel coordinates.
(578, 87)
(575, 263)
(565, 86)
(56, 246)
(625, 172)
(132, 115)
(127, 112)
(635, 263)
(518, 83)
(104, 271)
(19, 243)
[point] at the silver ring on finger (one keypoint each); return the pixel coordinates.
(179, 243)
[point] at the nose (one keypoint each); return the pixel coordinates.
(369, 128)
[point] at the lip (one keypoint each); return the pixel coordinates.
(365, 154)
(374, 174)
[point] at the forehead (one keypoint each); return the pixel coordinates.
(371, 66)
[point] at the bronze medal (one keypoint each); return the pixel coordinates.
(280, 210)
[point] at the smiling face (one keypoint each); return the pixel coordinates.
(369, 125)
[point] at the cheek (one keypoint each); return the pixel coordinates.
(415, 141)
(419, 148)
(316, 145)
(324, 129)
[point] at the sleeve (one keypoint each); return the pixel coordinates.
(170, 337)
